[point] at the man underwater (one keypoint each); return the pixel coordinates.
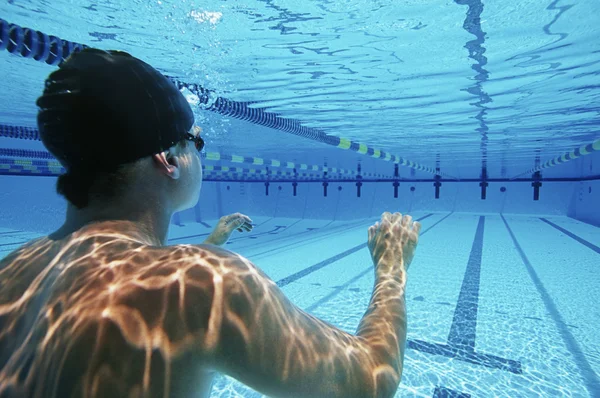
(104, 308)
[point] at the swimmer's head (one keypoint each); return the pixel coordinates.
(103, 112)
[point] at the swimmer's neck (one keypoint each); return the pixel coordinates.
(144, 221)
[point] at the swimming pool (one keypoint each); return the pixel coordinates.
(480, 119)
(480, 324)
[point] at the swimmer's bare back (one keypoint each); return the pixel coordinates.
(97, 314)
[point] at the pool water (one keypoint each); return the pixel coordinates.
(478, 118)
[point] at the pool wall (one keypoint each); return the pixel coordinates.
(30, 202)
(585, 201)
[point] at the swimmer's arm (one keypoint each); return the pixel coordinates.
(274, 347)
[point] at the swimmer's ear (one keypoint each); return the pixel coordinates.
(167, 164)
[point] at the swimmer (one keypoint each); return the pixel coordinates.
(103, 307)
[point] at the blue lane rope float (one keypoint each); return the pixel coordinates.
(39, 46)
(32, 134)
(22, 133)
(42, 167)
(25, 153)
(36, 45)
(37, 162)
(33, 168)
(574, 154)
(30, 166)
(42, 160)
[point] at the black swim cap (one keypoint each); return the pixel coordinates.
(102, 109)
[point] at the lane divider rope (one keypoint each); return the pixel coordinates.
(574, 154)
(52, 50)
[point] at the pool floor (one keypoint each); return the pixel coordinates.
(498, 305)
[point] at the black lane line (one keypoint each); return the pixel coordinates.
(10, 232)
(294, 223)
(275, 230)
(13, 244)
(339, 289)
(264, 222)
(459, 353)
(309, 270)
(308, 238)
(251, 236)
(461, 339)
(572, 235)
(350, 225)
(464, 322)
(278, 228)
(443, 392)
(189, 236)
(19, 243)
(590, 378)
(333, 231)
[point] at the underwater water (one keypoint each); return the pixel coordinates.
(480, 119)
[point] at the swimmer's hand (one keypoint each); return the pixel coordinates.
(393, 241)
(226, 226)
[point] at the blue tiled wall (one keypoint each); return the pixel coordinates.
(29, 203)
(375, 198)
(585, 201)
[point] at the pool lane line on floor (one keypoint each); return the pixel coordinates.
(308, 239)
(340, 288)
(443, 392)
(276, 242)
(11, 232)
(461, 339)
(309, 230)
(439, 391)
(572, 236)
(464, 323)
(590, 378)
(247, 236)
(21, 242)
(315, 267)
(237, 238)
